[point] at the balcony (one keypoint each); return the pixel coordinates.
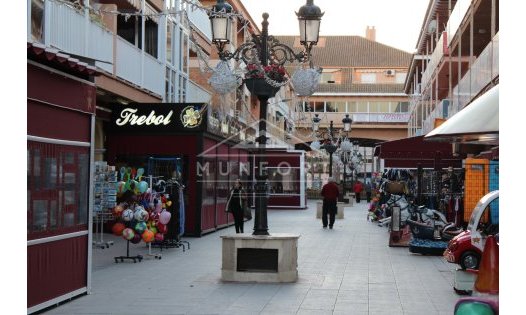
(69, 30)
(196, 94)
(398, 118)
(455, 19)
(434, 60)
(201, 21)
(483, 70)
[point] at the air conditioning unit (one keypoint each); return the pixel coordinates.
(390, 73)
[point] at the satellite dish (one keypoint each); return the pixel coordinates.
(432, 27)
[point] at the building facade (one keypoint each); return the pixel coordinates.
(457, 60)
(362, 78)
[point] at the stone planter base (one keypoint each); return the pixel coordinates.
(256, 258)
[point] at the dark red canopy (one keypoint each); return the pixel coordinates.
(414, 151)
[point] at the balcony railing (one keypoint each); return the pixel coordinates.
(436, 56)
(457, 15)
(360, 118)
(483, 70)
(196, 94)
(68, 29)
(201, 21)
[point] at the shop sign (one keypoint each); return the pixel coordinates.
(158, 117)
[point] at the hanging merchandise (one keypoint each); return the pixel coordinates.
(140, 211)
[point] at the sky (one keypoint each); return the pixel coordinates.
(397, 22)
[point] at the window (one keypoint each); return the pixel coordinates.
(379, 107)
(368, 78)
(401, 107)
(37, 20)
(400, 77)
(314, 107)
(130, 29)
(361, 107)
(58, 188)
(351, 107)
(284, 180)
(169, 32)
(336, 107)
(330, 76)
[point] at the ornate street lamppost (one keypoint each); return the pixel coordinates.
(265, 50)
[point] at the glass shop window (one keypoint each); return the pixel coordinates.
(285, 180)
(58, 189)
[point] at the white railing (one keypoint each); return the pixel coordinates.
(153, 78)
(67, 28)
(361, 118)
(457, 15)
(201, 21)
(434, 60)
(196, 94)
(128, 61)
(101, 46)
(484, 69)
(68, 33)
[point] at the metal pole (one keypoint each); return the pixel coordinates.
(260, 217)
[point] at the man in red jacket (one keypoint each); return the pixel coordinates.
(358, 187)
(330, 194)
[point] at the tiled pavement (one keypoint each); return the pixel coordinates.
(347, 270)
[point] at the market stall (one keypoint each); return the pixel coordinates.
(60, 126)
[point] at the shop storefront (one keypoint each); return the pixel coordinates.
(60, 120)
(207, 164)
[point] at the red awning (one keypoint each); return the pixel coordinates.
(412, 152)
(60, 60)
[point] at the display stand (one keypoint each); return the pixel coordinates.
(105, 198)
(101, 218)
(170, 167)
(122, 258)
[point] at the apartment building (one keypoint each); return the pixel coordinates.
(363, 78)
(456, 62)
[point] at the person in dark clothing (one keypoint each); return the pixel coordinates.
(330, 195)
(234, 205)
(368, 191)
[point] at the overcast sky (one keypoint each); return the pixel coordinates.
(397, 22)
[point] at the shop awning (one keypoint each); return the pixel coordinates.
(477, 123)
(414, 151)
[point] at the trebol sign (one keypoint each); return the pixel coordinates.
(159, 117)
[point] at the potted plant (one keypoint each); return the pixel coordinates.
(265, 80)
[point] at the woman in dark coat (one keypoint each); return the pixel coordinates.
(235, 205)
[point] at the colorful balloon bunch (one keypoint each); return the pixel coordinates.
(131, 180)
(145, 220)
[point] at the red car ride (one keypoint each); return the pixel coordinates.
(461, 251)
(466, 248)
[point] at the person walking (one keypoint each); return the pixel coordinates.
(234, 205)
(357, 188)
(368, 191)
(330, 193)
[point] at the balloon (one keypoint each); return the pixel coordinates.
(121, 187)
(136, 238)
(143, 187)
(162, 228)
(140, 227)
(169, 203)
(141, 214)
(118, 228)
(164, 217)
(127, 215)
(128, 234)
(117, 211)
(159, 237)
(148, 236)
(158, 207)
(154, 229)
